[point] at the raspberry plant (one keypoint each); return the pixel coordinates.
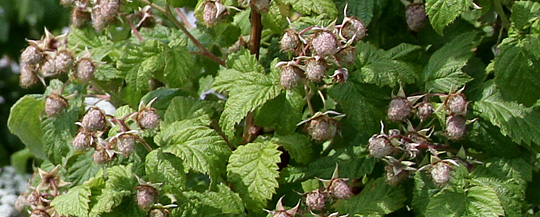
(316, 108)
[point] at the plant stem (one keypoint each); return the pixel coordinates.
(500, 12)
(184, 18)
(166, 11)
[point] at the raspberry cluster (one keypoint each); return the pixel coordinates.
(98, 13)
(403, 150)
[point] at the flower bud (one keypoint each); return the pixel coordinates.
(82, 141)
(146, 196)
(148, 118)
(32, 55)
(315, 200)
(416, 16)
(290, 76)
(440, 172)
(399, 109)
(325, 43)
(339, 189)
(353, 27)
(28, 76)
(456, 104)
(424, 111)
(84, 70)
(94, 120)
(290, 41)
(380, 146)
(315, 69)
(322, 128)
(455, 127)
(54, 104)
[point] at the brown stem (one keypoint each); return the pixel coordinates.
(166, 11)
(256, 30)
(134, 29)
(184, 18)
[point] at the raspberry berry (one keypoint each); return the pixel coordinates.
(399, 109)
(101, 155)
(316, 200)
(290, 76)
(315, 69)
(260, 6)
(48, 68)
(392, 178)
(148, 118)
(32, 54)
(28, 76)
(440, 172)
(80, 17)
(63, 61)
(322, 128)
(380, 146)
(339, 189)
(424, 110)
(353, 28)
(54, 104)
(416, 16)
(82, 141)
(212, 13)
(104, 13)
(290, 41)
(39, 213)
(325, 43)
(125, 143)
(455, 127)
(456, 104)
(94, 120)
(146, 196)
(158, 213)
(346, 56)
(84, 70)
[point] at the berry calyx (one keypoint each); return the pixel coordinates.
(94, 120)
(101, 155)
(54, 104)
(158, 212)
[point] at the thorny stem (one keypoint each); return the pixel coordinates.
(166, 11)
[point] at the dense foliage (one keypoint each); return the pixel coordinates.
(293, 107)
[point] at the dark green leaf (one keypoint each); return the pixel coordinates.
(298, 146)
(181, 108)
(179, 67)
(167, 169)
(443, 12)
(524, 13)
(377, 197)
(326, 7)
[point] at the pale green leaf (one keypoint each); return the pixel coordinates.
(377, 197)
(244, 61)
(515, 120)
(224, 200)
(253, 170)
(179, 67)
(74, 202)
(516, 69)
(120, 183)
(308, 7)
(24, 122)
(444, 68)
(443, 12)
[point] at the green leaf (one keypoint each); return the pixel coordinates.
(515, 120)
(81, 167)
(308, 7)
(298, 146)
(167, 169)
(181, 108)
(360, 110)
(382, 68)
(524, 13)
(274, 19)
(444, 68)
(179, 67)
(516, 69)
(377, 197)
(74, 202)
(24, 122)
(247, 91)
(253, 170)
(478, 200)
(244, 61)
(225, 200)
(201, 148)
(119, 184)
(282, 112)
(424, 189)
(443, 12)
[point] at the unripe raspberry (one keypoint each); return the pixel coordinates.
(394, 179)
(100, 155)
(146, 196)
(380, 146)
(32, 55)
(63, 61)
(158, 213)
(353, 27)
(315, 69)
(440, 172)
(48, 68)
(20, 203)
(322, 128)
(455, 127)
(316, 200)
(28, 76)
(84, 70)
(290, 76)
(290, 41)
(339, 189)
(125, 143)
(110, 8)
(82, 141)
(399, 109)
(148, 118)
(456, 104)
(104, 13)
(325, 43)
(424, 111)
(54, 104)
(281, 214)
(39, 213)
(212, 13)
(94, 120)
(260, 6)
(80, 17)
(33, 199)
(347, 56)
(416, 16)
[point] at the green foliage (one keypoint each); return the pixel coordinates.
(441, 12)
(24, 121)
(74, 202)
(378, 198)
